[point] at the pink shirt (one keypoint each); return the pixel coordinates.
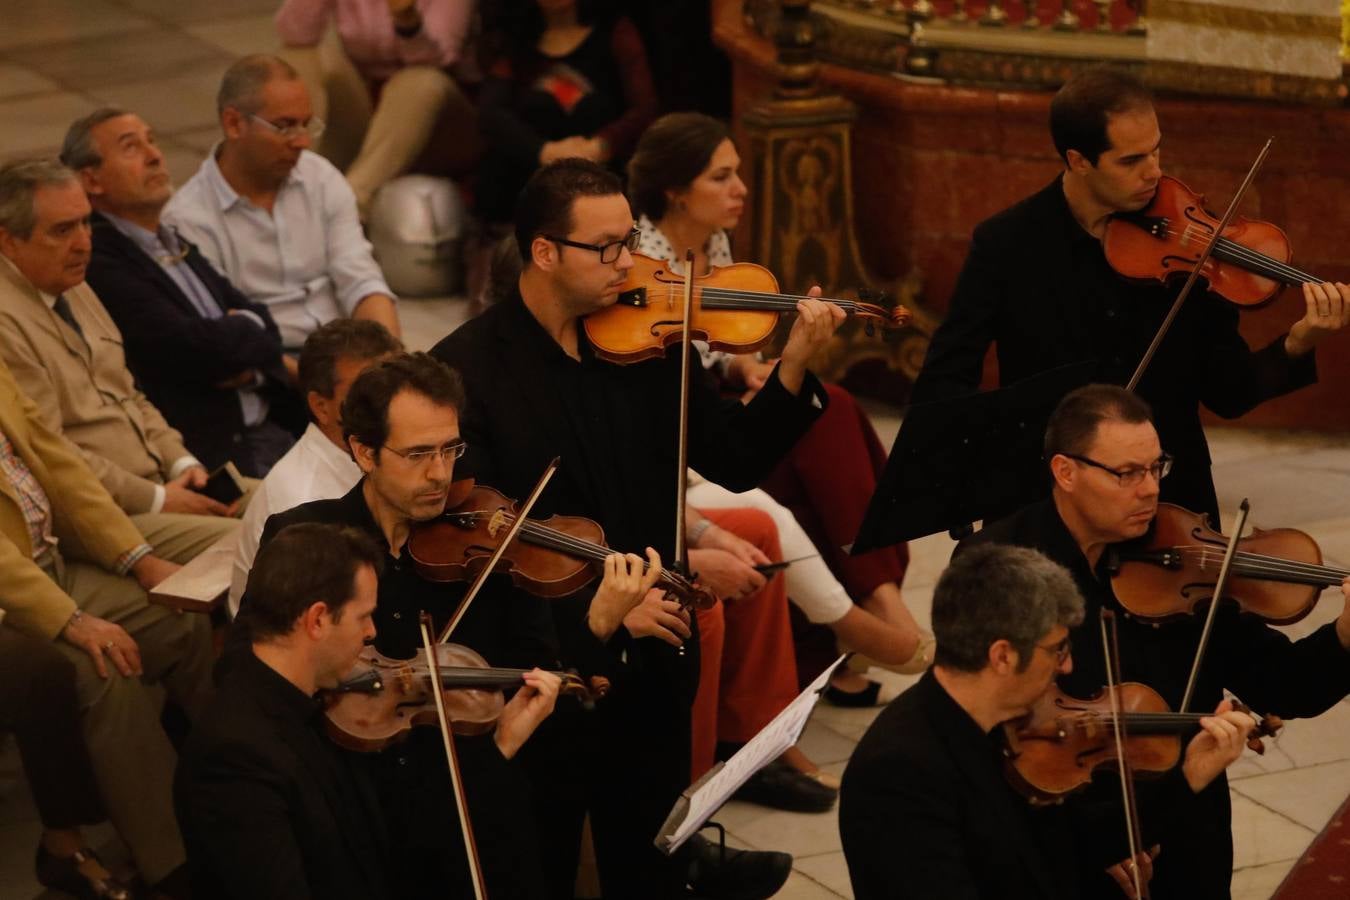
(368, 36)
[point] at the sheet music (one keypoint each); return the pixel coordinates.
(704, 798)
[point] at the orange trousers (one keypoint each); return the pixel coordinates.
(748, 670)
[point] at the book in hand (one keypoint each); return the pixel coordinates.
(202, 583)
(701, 800)
(225, 484)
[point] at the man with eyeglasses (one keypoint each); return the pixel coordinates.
(926, 809)
(537, 390)
(277, 219)
(401, 424)
(205, 355)
(1106, 463)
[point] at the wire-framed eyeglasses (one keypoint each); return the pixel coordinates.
(314, 128)
(1131, 476)
(422, 456)
(608, 252)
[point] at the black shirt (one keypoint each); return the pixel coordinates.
(271, 809)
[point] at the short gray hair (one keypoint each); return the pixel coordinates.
(19, 181)
(993, 592)
(241, 86)
(78, 150)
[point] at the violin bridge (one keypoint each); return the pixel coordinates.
(497, 523)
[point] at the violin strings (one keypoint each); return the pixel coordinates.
(578, 547)
(1256, 260)
(731, 299)
(1253, 563)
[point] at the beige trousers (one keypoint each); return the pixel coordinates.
(132, 757)
(421, 117)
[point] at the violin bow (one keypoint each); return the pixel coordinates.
(1219, 584)
(1199, 264)
(497, 554)
(1111, 650)
(681, 555)
(452, 758)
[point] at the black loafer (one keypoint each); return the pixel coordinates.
(855, 699)
(719, 872)
(780, 786)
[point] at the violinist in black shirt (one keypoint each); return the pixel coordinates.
(1107, 465)
(1037, 285)
(536, 390)
(270, 808)
(401, 421)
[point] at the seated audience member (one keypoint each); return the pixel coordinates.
(319, 466)
(209, 359)
(66, 354)
(86, 594)
(684, 183)
(926, 809)
(279, 221)
(561, 80)
(390, 93)
(39, 704)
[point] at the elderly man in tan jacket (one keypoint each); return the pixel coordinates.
(66, 353)
(74, 569)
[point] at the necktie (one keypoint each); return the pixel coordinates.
(62, 307)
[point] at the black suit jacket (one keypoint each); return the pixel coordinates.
(1038, 287)
(270, 809)
(178, 356)
(925, 812)
(1261, 665)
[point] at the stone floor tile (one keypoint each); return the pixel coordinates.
(1323, 739)
(828, 869)
(1261, 836)
(824, 745)
(199, 139)
(1228, 444)
(38, 124)
(1298, 487)
(426, 320)
(95, 63)
(801, 887)
(1250, 765)
(179, 12)
(239, 37)
(736, 815)
(20, 81)
(801, 834)
(1309, 795)
(1259, 882)
(32, 24)
(169, 105)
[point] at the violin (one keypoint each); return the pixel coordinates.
(1054, 750)
(1276, 574)
(552, 558)
(735, 308)
(1249, 265)
(387, 698)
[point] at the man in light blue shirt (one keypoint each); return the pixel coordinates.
(278, 220)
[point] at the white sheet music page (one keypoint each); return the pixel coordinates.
(762, 749)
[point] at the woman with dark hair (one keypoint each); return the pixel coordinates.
(684, 185)
(563, 78)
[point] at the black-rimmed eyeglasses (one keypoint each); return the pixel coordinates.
(608, 252)
(1133, 475)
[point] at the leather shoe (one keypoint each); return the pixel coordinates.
(71, 875)
(780, 786)
(719, 872)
